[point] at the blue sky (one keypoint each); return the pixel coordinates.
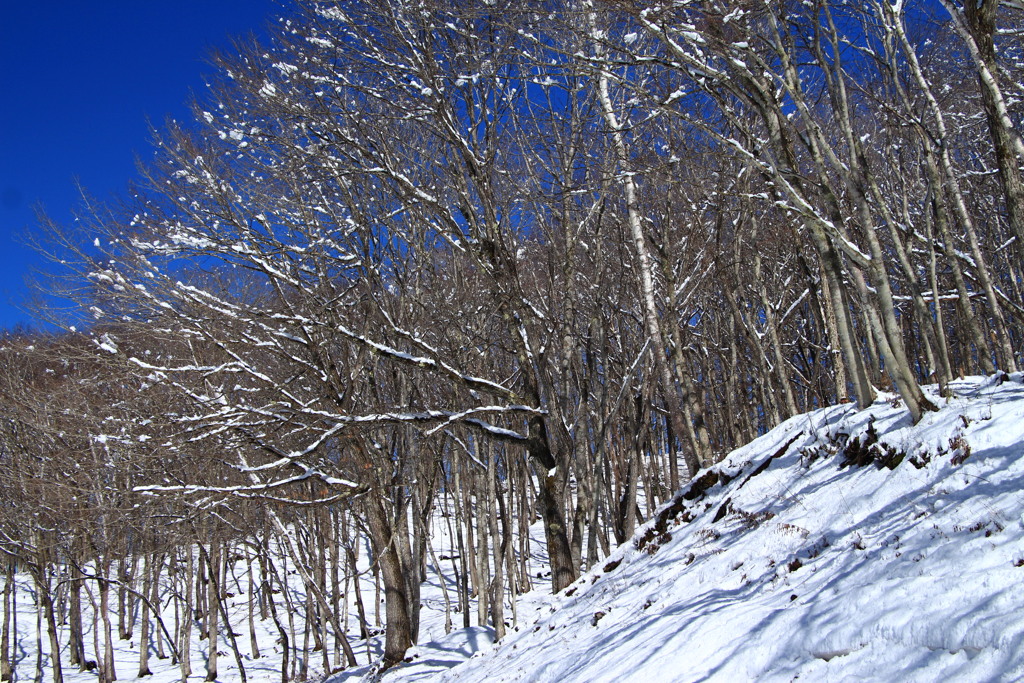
(77, 83)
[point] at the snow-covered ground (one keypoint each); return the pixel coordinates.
(786, 561)
(799, 568)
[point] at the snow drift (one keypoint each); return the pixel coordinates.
(842, 545)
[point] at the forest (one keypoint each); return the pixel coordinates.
(485, 263)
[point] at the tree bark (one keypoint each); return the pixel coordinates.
(144, 631)
(6, 670)
(398, 637)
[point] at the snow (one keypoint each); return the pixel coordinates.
(808, 569)
(426, 660)
(107, 344)
(784, 561)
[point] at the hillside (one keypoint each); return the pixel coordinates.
(842, 545)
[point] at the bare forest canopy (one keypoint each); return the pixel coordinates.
(508, 260)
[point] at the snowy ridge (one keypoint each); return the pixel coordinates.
(843, 545)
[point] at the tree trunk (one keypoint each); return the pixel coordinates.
(187, 610)
(976, 25)
(398, 637)
(107, 665)
(5, 633)
(147, 581)
(76, 637)
(46, 598)
(267, 572)
(550, 491)
(254, 646)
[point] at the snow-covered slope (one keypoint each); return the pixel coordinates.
(843, 545)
